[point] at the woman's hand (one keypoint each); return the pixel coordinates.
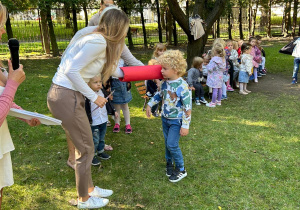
(16, 75)
(100, 101)
(33, 122)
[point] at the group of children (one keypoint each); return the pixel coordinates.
(228, 64)
(225, 65)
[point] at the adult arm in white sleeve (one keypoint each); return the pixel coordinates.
(89, 52)
(129, 58)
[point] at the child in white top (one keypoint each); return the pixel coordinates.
(296, 54)
(98, 117)
(245, 68)
(234, 58)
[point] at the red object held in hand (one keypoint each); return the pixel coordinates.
(137, 73)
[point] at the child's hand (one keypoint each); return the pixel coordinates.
(116, 115)
(184, 131)
(148, 111)
(33, 122)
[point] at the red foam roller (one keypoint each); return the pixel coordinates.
(137, 73)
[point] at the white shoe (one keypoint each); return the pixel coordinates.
(247, 91)
(243, 93)
(93, 203)
(255, 80)
(101, 193)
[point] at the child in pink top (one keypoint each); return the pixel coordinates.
(256, 54)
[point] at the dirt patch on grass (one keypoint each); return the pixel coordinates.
(274, 85)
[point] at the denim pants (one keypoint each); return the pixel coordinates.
(99, 132)
(171, 130)
(296, 68)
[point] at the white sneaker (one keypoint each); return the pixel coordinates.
(101, 193)
(93, 203)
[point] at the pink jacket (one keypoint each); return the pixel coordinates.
(6, 99)
(256, 53)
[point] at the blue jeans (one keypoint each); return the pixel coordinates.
(171, 130)
(296, 68)
(99, 132)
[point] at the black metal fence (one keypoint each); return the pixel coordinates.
(26, 28)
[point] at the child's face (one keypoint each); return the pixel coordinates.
(95, 83)
(258, 42)
(230, 46)
(160, 52)
(253, 42)
(205, 61)
(169, 73)
(248, 51)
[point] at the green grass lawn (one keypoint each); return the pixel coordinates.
(241, 155)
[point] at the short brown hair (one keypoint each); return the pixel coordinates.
(197, 62)
(245, 46)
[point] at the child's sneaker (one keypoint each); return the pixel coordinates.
(202, 100)
(116, 128)
(95, 161)
(247, 91)
(229, 88)
(294, 82)
(177, 175)
(93, 203)
(211, 104)
(104, 156)
(169, 169)
(218, 103)
(100, 193)
(128, 129)
(197, 102)
(243, 93)
(224, 97)
(259, 74)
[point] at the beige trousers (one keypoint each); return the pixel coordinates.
(69, 106)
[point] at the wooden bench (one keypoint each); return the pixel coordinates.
(142, 89)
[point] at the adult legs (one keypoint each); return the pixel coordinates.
(68, 106)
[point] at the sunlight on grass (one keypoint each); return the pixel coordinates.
(259, 123)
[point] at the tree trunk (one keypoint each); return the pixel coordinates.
(289, 19)
(158, 21)
(269, 34)
(195, 48)
(250, 18)
(187, 8)
(45, 32)
(241, 21)
(254, 19)
(67, 15)
(74, 13)
(229, 25)
(163, 18)
(129, 37)
(296, 3)
(169, 27)
(51, 32)
(218, 28)
(143, 24)
(175, 33)
(86, 18)
(8, 27)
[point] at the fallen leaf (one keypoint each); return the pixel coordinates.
(140, 206)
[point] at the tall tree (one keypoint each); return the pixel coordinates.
(143, 23)
(12, 7)
(158, 21)
(296, 3)
(209, 11)
(241, 5)
(254, 18)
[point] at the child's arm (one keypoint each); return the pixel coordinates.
(190, 78)
(211, 65)
(186, 100)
